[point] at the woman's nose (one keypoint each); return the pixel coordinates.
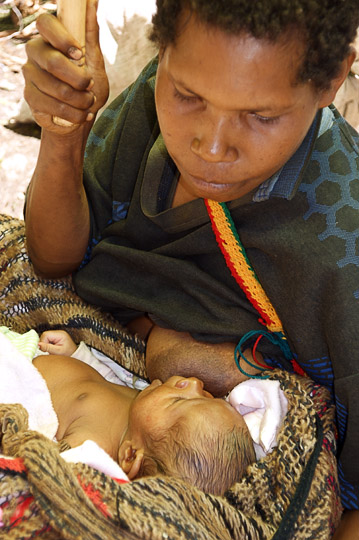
(211, 143)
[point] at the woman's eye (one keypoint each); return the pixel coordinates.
(265, 119)
(182, 97)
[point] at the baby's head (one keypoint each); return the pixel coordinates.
(326, 28)
(178, 429)
(212, 457)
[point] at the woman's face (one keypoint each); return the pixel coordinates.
(229, 111)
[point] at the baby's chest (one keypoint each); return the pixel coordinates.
(86, 418)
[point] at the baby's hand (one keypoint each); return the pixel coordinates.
(57, 342)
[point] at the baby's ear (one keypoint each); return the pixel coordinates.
(130, 458)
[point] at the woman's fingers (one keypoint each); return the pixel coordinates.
(92, 27)
(55, 85)
(54, 33)
(51, 86)
(42, 55)
(53, 107)
(94, 57)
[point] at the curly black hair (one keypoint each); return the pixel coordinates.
(327, 28)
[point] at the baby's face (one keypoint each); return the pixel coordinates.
(161, 405)
(229, 110)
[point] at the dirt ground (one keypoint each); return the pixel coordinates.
(19, 145)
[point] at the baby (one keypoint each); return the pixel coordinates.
(173, 428)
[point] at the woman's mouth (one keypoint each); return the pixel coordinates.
(208, 186)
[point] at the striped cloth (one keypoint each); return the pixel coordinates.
(26, 343)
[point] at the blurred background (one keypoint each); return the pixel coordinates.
(124, 26)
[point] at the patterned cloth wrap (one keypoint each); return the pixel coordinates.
(291, 493)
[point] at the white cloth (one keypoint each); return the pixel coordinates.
(263, 405)
(108, 368)
(21, 382)
(91, 454)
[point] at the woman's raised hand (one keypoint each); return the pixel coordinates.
(55, 85)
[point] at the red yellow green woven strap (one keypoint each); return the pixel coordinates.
(239, 265)
(242, 271)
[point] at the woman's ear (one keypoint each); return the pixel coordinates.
(327, 96)
(130, 458)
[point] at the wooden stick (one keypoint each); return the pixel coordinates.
(72, 14)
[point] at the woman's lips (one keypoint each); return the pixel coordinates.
(209, 185)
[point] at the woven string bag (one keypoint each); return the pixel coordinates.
(291, 493)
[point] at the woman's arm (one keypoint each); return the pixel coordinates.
(57, 215)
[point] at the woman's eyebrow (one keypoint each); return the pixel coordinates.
(267, 108)
(180, 83)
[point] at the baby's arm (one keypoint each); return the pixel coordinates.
(57, 342)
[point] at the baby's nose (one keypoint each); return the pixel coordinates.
(194, 386)
(189, 382)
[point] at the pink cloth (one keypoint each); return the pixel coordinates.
(263, 406)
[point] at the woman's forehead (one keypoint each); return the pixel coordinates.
(214, 64)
